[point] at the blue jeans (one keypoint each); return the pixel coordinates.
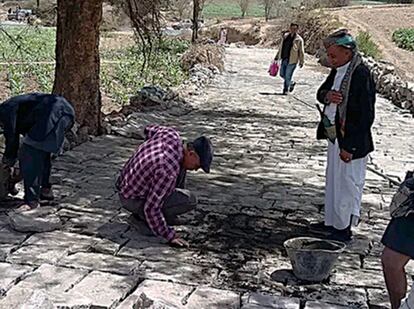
(286, 72)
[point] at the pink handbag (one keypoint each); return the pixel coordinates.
(274, 68)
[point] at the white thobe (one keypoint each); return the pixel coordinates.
(344, 181)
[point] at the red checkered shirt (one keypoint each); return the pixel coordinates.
(151, 174)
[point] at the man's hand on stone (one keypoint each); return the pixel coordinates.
(345, 156)
(179, 242)
(334, 97)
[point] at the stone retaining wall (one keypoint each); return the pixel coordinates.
(391, 86)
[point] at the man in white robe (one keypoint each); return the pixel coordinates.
(349, 98)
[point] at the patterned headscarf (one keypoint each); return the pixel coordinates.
(343, 38)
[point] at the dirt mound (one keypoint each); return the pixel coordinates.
(204, 54)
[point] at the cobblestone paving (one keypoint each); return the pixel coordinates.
(265, 187)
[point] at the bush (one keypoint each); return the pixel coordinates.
(367, 46)
(404, 38)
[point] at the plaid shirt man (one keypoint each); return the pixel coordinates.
(151, 174)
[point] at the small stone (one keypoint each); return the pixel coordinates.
(41, 219)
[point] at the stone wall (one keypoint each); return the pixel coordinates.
(391, 86)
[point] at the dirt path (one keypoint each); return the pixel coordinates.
(381, 23)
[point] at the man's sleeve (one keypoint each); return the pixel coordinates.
(302, 53)
(366, 100)
(162, 185)
(12, 140)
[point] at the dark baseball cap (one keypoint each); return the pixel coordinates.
(204, 149)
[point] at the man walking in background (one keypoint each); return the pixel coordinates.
(291, 53)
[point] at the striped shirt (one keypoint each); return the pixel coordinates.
(151, 174)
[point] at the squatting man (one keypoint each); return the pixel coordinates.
(151, 184)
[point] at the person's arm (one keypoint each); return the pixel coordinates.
(163, 183)
(325, 88)
(301, 53)
(12, 138)
(279, 52)
(366, 99)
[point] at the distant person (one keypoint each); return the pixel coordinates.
(291, 53)
(42, 119)
(348, 95)
(222, 36)
(151, 184)
(398, 240)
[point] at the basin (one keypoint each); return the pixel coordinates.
(313, 258)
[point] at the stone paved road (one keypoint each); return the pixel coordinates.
(266, 186)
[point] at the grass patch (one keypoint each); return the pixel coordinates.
(124, 78)
(231, 8)
(404, 38)
(27, 57)
(367, 46)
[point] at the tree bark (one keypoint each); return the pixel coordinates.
(77, 59)
(196, 13)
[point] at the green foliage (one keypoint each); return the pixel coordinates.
(229, 8)
(125, 77)
(404, 38)
(27, 59)
(367, 46)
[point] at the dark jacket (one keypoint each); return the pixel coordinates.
(33, 114)
(360, 112)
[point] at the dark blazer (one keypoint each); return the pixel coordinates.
(360, 112)
(34, 114)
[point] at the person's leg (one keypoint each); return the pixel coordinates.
(283, 66)
(134, 206)
(46, 192)
(179, 202)
(290, 68)
(31, 162)
(393, 264)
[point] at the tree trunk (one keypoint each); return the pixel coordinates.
(77, 59)
(38, 4)
(196, 13)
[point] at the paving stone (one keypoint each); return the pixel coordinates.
(269, 301)
(11, 237)
(155, 252)
(172, 293)
(101, 262)
(37, 255)
(207, 297)
(339, 295)
(52, 279)
(379, 298)
(103, 289)
(4, 251)
(357, 278)
(21, 297)
(41, 219)
(176, 272)
(320, 305)
(10, 274)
